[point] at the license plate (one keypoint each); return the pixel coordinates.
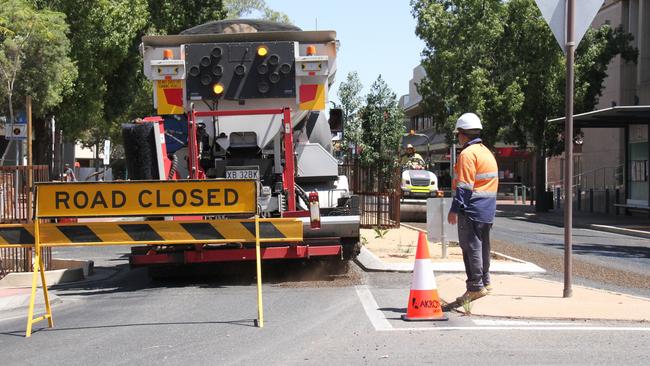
(242, 174)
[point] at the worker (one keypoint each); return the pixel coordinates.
(68, 174)
(412, 160)
(474, 205)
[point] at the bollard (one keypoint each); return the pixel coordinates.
(591, 200)
(443, 237)
(579, 197)
(616, 192)
(516, 194)
(558, 197)
(523, 195)
(607, 201)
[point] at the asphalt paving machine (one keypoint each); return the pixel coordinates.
(246, 99)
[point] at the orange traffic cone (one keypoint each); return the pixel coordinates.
(424, 302)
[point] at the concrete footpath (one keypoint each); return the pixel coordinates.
(518, 291)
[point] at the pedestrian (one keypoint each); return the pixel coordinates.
(474, 205)
(68, 174)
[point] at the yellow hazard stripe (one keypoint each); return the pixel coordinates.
(152, 232)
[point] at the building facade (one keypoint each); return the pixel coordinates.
(617, 158)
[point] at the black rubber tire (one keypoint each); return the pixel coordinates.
(351, 248)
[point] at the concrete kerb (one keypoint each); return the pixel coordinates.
(64, 271)
(15, 299)
(371, 263)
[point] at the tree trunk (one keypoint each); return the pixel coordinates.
(540, 182)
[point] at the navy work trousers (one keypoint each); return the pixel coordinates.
(474, 240)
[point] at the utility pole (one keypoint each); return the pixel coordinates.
(30, 171)
(568, 149)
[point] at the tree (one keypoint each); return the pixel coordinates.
(382, 125)
(34, 59)
(240, 8)
(104, 34)
(500, 60)
(172, 16)
(349, 94)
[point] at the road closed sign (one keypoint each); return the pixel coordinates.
(146, 198)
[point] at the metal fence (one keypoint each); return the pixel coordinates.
(15, 199)
(378, 190)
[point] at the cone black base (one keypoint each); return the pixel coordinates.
(437, 318)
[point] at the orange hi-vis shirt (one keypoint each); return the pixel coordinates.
(476, 182)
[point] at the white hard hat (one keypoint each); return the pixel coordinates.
(409, 146)
(468, 121)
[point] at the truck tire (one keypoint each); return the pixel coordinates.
(351, 248)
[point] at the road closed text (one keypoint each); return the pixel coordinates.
(150, 198)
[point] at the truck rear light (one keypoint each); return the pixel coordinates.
(314, 210)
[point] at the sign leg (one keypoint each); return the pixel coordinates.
(48, 309)
(30, 312)
(258, 259)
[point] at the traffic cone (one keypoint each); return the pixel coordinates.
(424, 301)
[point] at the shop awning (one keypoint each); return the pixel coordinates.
(613, 117)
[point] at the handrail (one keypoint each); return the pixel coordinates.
(579, 178)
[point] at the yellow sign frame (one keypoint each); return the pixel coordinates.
(291, 233)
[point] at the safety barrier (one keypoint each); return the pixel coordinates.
(144, 198)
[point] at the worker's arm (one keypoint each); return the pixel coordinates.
(466, 174)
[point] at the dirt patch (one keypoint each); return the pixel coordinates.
(319, 274)
(400, 245)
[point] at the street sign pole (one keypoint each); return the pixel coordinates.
(568, 149)
(30, 172)
(568, 29)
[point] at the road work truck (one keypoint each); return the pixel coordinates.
(246, 99)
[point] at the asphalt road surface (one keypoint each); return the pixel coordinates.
(312, 317)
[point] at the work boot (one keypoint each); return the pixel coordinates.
(489, 288)
(472, 295)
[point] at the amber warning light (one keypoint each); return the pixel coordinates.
(217, 89)
(262, 51)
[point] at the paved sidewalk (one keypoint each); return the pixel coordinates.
(518, 293)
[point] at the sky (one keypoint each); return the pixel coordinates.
(377, 37)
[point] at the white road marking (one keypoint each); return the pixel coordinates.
(514, 322)
(555, 328)
(375, 315)
(381, 324)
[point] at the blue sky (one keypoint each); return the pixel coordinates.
(377, 37)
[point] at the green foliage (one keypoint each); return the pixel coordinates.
(382, 127)
(379, 232)
(33, 56)
(104, 36)
(500, 60)
(240, 8)
(349, 94)
(172, 16)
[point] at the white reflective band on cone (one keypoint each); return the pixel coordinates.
(423, 278)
